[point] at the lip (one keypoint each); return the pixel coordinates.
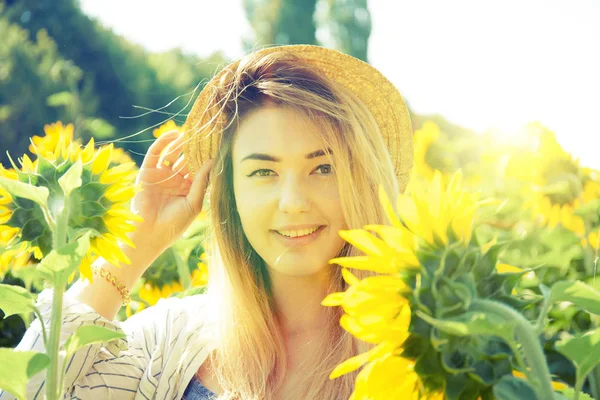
(302, 240)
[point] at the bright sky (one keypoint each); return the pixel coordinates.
(478, 63)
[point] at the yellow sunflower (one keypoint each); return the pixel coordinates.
(167, 127)
(593, 240)
(556, 185)
(430, 217)
(200, 275)
(120, 156)
(391, 377)
(58, 137)
(152, 290)
(433, 213)
(376, 312)
(423, 139)
(13, 257)
(134, 307)
(151, 294)
(101, 203)
(12, 253)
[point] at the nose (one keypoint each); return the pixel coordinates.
(293, 197)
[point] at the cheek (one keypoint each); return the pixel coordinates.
(332, 204)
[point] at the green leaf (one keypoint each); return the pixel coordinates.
(15, 300)
(18, 367)
(60, 99)
(39, 194)
(89, 334)
(59, 264)
(71, 179)
(578, 293)
(99, 128)
(545, 291)
(569, 394)
(29, 275)
(460, 386)
(510, 388)
(583, 350)
(5, 112)
(589, 210)
(193, 291)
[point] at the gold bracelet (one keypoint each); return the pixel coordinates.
(115, 282)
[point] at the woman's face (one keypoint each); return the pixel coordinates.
(284, 187)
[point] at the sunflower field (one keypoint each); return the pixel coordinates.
(485, 284)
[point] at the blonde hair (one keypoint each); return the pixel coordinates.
(249, 359)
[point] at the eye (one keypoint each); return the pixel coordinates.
(261, 172)
(325, 168)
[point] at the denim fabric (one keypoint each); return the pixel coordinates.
(196, 391)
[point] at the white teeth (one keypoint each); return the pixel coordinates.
(301, 232)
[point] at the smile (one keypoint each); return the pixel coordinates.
(299, 237)
(297, 233)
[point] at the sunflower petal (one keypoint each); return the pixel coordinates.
(364, 241)
(124, 213)
(506, 268)
(388, 208)
(102, 159)
(351, 364)
(88, 152)
(365, 263)
(118, 173)
(333, 299)
(349, 277)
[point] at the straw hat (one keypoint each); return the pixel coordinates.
(366, 82)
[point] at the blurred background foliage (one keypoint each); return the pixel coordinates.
(66, 66)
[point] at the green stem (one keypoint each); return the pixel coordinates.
(37, 313)
(59, 238)
(578, 386)
(519, 358)
(539, 325)
(52, 383)
(588, 253)
(48, 217)
(182, 270)
(530, 343)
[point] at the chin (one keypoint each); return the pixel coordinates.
(299, 268)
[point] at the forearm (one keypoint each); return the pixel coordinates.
(101, 295)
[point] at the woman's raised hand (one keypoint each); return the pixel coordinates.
(170, 198)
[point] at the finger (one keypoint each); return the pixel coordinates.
(198, 189)
(171, 152)
(180, 166)
(153, 153)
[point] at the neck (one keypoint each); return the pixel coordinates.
(298, 301)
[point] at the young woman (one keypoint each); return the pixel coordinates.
(296, 141)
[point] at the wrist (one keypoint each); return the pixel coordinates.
(140, 257)
(145, 251)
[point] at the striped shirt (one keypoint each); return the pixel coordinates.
(163, 349)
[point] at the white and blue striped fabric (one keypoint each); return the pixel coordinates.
(164, 347)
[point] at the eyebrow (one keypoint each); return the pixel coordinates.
(267, 157)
